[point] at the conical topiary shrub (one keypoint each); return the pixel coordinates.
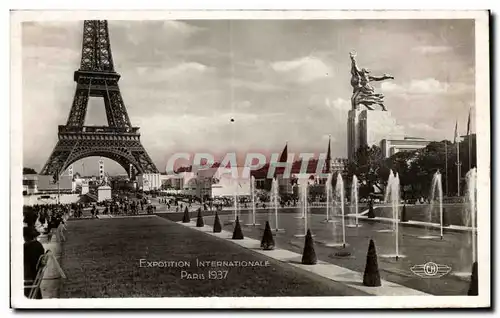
(473, 288)
(237, 233)
(267, 242)
(186, 218)
(217, 226)
(404, 216)
(199, 220)
(371, 277)
(371, 214)
(309, 255)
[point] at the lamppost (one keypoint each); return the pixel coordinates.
(56, 180)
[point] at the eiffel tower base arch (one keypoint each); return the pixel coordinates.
(126, 150)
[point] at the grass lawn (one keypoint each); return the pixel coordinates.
(101, 259)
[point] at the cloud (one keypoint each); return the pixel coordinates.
(187, 67)
(176, 73)
(429, 85)
(60, 34)
(426, 86)
(138, 32)
(43, 57)
(260, 86)
(429, 49)
(327, 137)
(174, 68)
(423, 127)
(206, 53)
(245, 104)
(338, 104)
(181, 27)
(305, 69)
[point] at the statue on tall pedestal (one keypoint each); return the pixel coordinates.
(363, 93)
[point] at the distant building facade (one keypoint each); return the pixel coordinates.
(391, 147)
(377, 127)
(288, 185)
(30, 184)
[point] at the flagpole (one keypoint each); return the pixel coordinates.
(446, 166)
(457, 142)
(458, 168)
(469, 142)
(468, 138)
(58, 192)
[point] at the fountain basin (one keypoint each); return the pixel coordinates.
(393, 256)
(462, 275)
(353, 225)
(385, 231)
(252, 224)
(430, 237)
(303, 235)
(337, 245)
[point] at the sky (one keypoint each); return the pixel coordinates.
(280, 80)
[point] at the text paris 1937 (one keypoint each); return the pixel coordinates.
(211, 274)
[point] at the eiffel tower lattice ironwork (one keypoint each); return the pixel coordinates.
(118, 141)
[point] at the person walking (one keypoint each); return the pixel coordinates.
(51, 228)
(59, 231)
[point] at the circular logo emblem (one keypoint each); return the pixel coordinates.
(430, 268)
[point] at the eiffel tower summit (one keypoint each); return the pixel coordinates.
(119, 140)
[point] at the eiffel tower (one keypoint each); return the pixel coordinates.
(118, 141)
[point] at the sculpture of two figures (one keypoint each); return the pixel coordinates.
(363, 93)
(104, 181)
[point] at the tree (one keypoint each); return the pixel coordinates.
(417, 168)
(436, 156)
(29, 171)
(403, 163)
(368, 165)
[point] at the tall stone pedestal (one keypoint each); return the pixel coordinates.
(85, 188)
(103, 193)
(352, 133)
(370, 127)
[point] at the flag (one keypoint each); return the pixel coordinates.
(328, 156)
(284, 154)
(468, 124)
(283, 158)
(456, 133)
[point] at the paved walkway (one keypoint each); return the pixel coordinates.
(107, 268)
(348, 278)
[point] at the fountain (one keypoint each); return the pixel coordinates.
(252, 194)
(471, 179)
(392, 193)
(303, 187)
(354, 201)
(469, 214)
(235, 198)
(436, 193)
(303, 199)
(328, 190)
(274, 200)
(388, 199)
(389, 182)
(340, 200)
